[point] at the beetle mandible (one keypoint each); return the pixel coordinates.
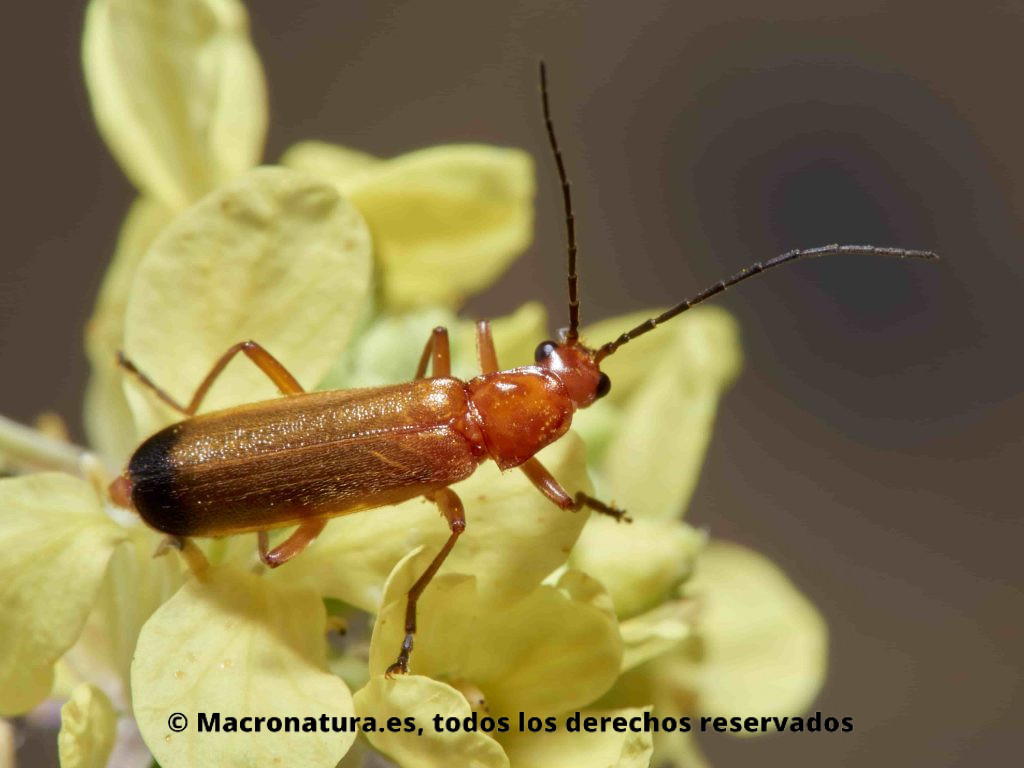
(306, 457)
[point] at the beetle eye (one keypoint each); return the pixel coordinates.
(544, 350)
(604, 385)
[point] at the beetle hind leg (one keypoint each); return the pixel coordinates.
(263, 360)
(451, 507)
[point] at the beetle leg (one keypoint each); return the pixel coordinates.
(437, 350)
(451, 507)
(485, 347)
(265, 361)
(546, 484)
(290, 547)
(192, 554)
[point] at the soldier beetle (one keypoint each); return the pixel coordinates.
(309, 456)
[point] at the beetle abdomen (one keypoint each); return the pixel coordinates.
(322, 454)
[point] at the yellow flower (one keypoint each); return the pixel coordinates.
(497, 678)
(340, 263)
(57, 542)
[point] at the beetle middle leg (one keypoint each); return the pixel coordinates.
(485, 347)
(265, 361)
(546, 483)
(293, 545)
(437, 353)
(451, 507)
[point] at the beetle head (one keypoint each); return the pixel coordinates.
(577, 367)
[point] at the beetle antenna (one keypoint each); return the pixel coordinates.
(754, 269)
(573, 334)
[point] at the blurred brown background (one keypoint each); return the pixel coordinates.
(872, 443)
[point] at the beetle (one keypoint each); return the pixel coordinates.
(310, 456)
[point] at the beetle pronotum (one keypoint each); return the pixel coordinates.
(306, 457)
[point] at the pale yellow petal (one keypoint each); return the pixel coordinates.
(423, 699)
(87, 728)
(514, 535)
(136, 584)
(8, 744)
(235, 644)
(657, 631)
(108, 420)
(640, 563)
(56, 542)
(274, 256)
(177, 91)
(554, 650)
(330, 162)
(764, 644)
(599, 746)
(446, 221)
(666, 385)
(24, 449)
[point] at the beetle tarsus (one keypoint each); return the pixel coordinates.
(401, 665)
(583, 500)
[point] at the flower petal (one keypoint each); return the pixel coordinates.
(670, 387)
(87, 728)
(764, 644)
(330, 162)
(640, 564)
(235, 644)
(274, 256)
(108, 420)
(446, 221)
(424, 699)
(555, 649)
(514, 535)
(177, 92)
(8, 744)
(56, 542)
(136, 584)
(601, 749)
(661, 629)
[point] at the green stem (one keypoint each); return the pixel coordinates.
(28, 446)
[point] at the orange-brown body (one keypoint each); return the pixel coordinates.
(324, 454)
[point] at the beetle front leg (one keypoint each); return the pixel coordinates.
(265, 361)
(545, 482)
(438, 352)
(290, 547)
(451, 507)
